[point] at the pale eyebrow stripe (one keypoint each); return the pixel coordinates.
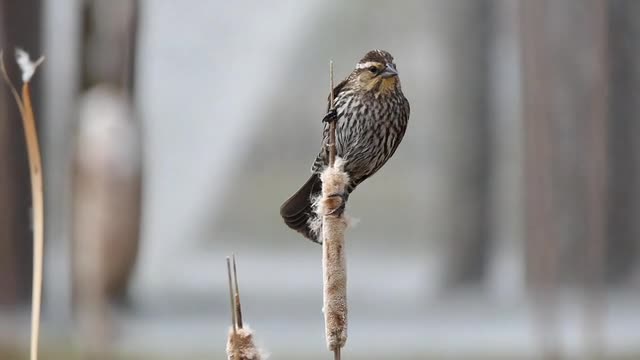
(367, 64)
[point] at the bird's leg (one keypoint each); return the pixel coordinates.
(331, 116)
(339, 209)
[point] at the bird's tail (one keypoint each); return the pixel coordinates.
(298, 212)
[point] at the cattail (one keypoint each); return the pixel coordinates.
(106, 210)
(334, 269)
(334, 223)
(240, 344)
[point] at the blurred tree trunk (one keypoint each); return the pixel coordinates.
(19, 26)
(595, 141)
(562, 79)
(565, 92)
(507, 270)
(466, 226)
(8, 271)
(539, 150)
(106, 172)
(624, 186)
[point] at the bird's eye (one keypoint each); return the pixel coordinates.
(373, 69)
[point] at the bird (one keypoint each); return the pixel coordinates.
(371, 115)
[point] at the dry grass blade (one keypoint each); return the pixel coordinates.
(14, 92)
(35, 166)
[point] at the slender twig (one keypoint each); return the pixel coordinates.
(35, 166)
(7, 80)
(332, 124)
(233, 307)
(238, 307)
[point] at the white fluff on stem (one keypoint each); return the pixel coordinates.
(240, 343)
(27, 66)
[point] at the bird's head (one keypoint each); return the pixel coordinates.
(376, 72)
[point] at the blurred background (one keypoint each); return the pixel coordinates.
(507, 225)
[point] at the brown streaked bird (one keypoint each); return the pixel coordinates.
(372, 115)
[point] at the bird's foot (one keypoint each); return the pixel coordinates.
(331, 116)
(337, 202)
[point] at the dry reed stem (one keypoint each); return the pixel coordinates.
(238, 307)
(35, 166)
(332, 125)
(334, 181)
(231, 298)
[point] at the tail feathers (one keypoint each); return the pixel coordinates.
(298, 212)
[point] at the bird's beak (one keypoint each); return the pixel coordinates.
(389, 71)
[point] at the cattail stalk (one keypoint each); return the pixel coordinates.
(25, 107)
(334, 182)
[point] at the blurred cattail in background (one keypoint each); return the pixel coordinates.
(106, 217)
(107, 173)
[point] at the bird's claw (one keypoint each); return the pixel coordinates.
(331, 116)
(339, 210)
